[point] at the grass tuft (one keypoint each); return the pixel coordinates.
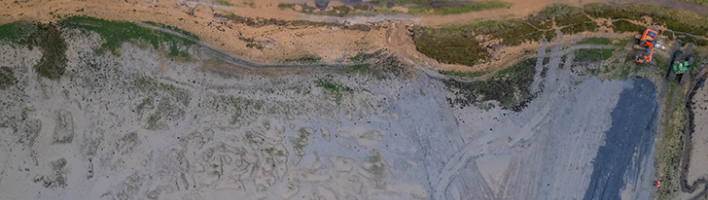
(702, 42)
(305, 59)
(361, 56)
(462, 74)
(622, 26)
(286, 6)
(333, 88)
(358, 68)
(593, 55)
(450, 46)
(596, 40)
(223, 3)
(15, 32)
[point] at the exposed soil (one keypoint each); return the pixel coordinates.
(280, 41)
(268, 34)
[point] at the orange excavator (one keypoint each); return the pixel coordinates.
(646, 42)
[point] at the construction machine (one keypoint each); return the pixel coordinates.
(680, 65)
(646, 42)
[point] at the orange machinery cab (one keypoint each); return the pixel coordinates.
(648, 37)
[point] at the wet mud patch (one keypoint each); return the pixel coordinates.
(7, 77)
(125, 144)
(377, 166)
(390, 67)
(49, 40)
(509, 87)
(299, 143)
(629, 140)
(58, 177)
(163, 104)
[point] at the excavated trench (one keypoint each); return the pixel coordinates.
(688, 146)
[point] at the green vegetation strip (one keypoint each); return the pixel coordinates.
(115, 33)
(223, 3)
(593, 55)
(457, 44)
(13, 33)
(596, 40)
(305, 59)
(671, 146)
(448, 8)
(358, 68)
(462, 74)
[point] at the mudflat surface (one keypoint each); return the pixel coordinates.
(145, 126)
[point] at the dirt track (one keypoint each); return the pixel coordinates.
(331, 44)
(285, 42)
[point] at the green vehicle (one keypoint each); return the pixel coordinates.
(679, 65)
